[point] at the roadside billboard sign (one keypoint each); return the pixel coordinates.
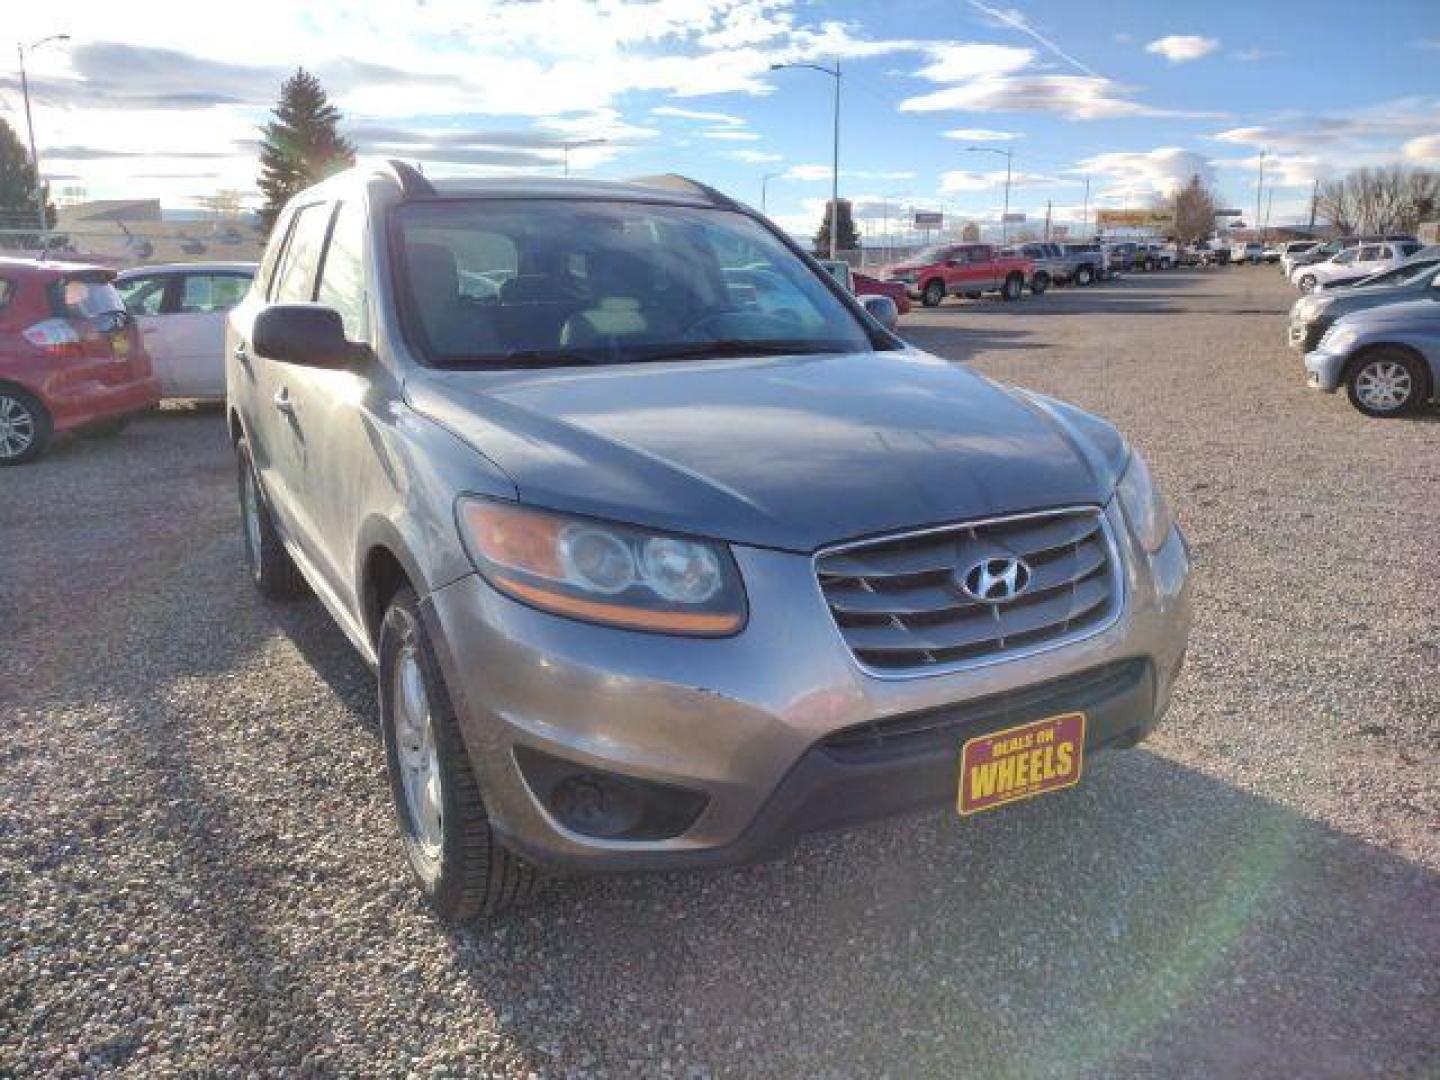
(1135, 219)
(929, 219)
(1012, 218)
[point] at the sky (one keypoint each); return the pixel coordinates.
(164, 99)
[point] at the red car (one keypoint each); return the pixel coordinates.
(963, 270)
(70, 356)
(865, 285)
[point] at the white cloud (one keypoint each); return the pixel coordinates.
(1162, 171)
(1425, 150)
(1180, 48)
(961, 180)
(961, 61)
(812, 173)
(731, 135)
(981, 135)
(1078, 97)
(670, 111)
(753, 157)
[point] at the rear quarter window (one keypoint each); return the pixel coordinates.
(7, 290)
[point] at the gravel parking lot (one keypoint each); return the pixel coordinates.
(199, 873)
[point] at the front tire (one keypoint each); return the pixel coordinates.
(1084, 276)
(1013, 287)
(456, 859)
(1386, 382)
(1307, 283)
(271, 568)
(933, 293)
(1039, 283)
(25, 428)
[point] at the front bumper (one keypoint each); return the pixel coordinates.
(771, 726)
(1323, 370)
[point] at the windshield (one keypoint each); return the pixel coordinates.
(511, 283)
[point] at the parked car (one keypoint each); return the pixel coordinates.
(1312, 315)
(1387, 357)
(1050, 264)
(1121, 256)
(969, 270)
(70, 356)
(651, 580)
(180, 309)
(865, 285)
(1292, 249)
(1088, 263)
(1358, 271)
(1249, 252)
(1354, 263)
(1331, 248)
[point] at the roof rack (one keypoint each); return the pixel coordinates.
(676, 182)
(411, 180)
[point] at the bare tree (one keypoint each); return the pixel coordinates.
(1384, 200)
(1195, 207)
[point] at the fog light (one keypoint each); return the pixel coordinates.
(596, 805)
(606, 805)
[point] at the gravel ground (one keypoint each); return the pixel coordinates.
(199, 873)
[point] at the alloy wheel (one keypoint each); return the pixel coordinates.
(17, 427)
(415, 748)
(1384, 385)
(250, 512)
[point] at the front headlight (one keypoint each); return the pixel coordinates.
(603, 572)
(1309, 309)
(1145, 508)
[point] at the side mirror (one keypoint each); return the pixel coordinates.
(882, 309)
(308, 334)
(953, 263)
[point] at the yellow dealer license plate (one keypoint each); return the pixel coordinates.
(1002, 767)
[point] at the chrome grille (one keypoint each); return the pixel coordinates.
(901, 606)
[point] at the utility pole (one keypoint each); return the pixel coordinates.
(1047, 221)
(1314, 201)
(1259, 187)
(1085, 214)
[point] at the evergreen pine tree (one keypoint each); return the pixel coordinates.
(302, 144)
(17, 188)
(847, 235)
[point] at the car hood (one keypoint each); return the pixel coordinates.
(1402, 311)
(791, 452)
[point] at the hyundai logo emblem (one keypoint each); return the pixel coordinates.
(994, 581)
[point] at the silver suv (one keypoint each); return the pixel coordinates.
(664, 550)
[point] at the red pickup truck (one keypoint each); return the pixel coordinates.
(962, 270)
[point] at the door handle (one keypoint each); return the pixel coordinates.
(240, 353)
(283, 403)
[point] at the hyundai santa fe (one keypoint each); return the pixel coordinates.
(664, 549)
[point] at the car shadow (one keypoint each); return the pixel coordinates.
(1154, 921)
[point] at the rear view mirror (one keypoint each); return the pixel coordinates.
(882, 309)
(308, 334)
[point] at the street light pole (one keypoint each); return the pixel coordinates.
(1009, 157)
(834, 73)
(1259, 187)
(575, 144)
(30, 128)
(764, 188)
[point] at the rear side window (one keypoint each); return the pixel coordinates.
(206, 293)
(143, 295)
(7, 290)
(87, 298)
(342, 277)
(295, 277)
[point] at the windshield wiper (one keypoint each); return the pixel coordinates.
(738, 347)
